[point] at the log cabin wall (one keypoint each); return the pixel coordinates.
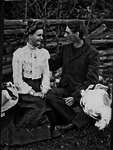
(101, 38)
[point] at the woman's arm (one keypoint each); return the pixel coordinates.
(46, 76)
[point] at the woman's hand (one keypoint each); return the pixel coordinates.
(40, 94)
(32, 92)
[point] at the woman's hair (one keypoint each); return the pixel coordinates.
(32, 27)
(78, 27)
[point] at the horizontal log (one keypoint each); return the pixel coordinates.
(47, 21)
(52, 21)
(106, 59)
(14, 27)
(6, 69)
(106, 65)
(7, 58)
(106, 75)
(103, 35)
(16, 31)
(106, 35)
(13, 37)
(10, 39)
(51, 34)
(63, 42)
(106, 52)
(16, 22)
(102, 41)
(12, 0)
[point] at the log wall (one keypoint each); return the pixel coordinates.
(101, 37)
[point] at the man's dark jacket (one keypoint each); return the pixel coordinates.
(79, 67)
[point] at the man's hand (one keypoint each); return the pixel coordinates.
(69, 101)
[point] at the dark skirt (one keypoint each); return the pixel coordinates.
(27, 121)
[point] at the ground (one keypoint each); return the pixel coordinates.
(88, 139)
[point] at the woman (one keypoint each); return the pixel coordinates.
(31, 77)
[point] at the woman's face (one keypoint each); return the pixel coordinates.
(36, 38)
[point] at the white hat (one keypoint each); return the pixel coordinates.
(9, 98)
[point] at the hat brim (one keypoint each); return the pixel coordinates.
(9, 104)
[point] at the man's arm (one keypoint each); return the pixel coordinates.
(92, 76)
(55, 61)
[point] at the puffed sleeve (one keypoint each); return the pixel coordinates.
(46, 74)
(22, 86)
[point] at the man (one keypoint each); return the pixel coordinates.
(79, 62)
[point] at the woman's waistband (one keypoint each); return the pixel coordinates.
(27, 79)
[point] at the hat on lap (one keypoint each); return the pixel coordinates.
(9, 97)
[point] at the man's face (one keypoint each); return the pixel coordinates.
(37, 37)
(72, 37)
(67, 32)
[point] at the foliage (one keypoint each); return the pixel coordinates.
(59, 9)
(92, 10)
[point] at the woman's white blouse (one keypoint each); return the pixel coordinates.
(30, 62)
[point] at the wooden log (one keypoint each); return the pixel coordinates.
(12, 32)
(48, 21)
(50, 34)
(12, 0)
(95, 41)
(14, 27)
(106, 72)
(52, 21)
(97, 31)
(17, 22)
(106, 58)
(12, 37)
(106, 65)
(105, 35)
(106, 52)
(54, 43)
(7, 69)
(102, 41)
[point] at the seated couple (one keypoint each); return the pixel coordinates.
(38, 103)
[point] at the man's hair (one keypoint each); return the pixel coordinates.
(78, 27)
(32, 27)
